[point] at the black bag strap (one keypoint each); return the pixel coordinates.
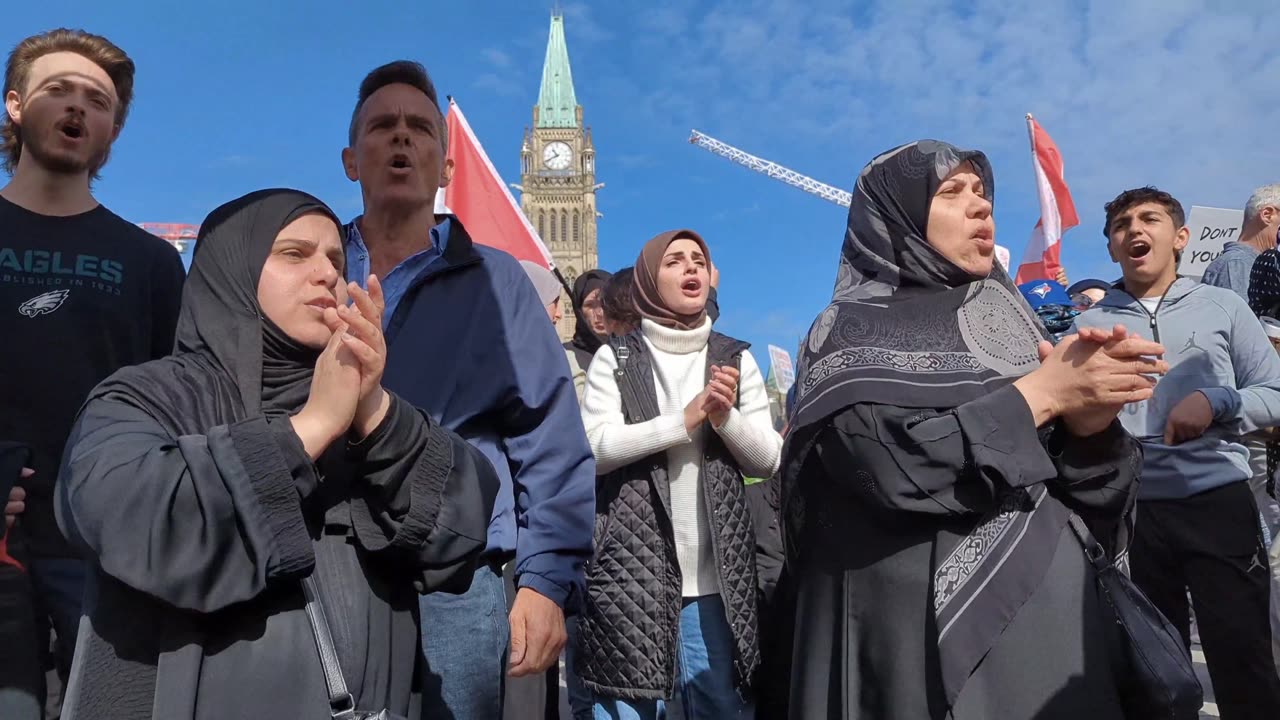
(1095, 552)
(341, 705)
(623, 353)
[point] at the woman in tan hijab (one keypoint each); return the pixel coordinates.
(676, 415)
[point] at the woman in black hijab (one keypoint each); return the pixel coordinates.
(589, 331)
(937, 449)
(204, 487)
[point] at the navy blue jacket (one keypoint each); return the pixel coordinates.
(471, 344)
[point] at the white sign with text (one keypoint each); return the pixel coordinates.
(1211, 228)
(783, 371)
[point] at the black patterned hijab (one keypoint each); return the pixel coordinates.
(908, 328)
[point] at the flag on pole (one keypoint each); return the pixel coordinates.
(479, 198)
(1057, 211)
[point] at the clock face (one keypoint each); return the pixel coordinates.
(557, 156)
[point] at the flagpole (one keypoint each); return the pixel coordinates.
(1035, 166)
(1031, 138)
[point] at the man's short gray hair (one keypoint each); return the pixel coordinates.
(1262, 197)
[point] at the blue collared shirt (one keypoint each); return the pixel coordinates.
(396, 282)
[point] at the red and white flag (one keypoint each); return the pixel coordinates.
(482, 201)
(1057, 211)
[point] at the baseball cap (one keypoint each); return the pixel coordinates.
(1040, 293)
(1091, 284)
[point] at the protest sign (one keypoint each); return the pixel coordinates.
(1211, 228)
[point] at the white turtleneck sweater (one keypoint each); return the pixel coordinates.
(679, 373)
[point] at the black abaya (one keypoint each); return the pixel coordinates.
(861, 634)
(187, 488)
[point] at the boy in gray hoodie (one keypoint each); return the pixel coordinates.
(1196, 526)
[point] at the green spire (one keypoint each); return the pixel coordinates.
(557, 105)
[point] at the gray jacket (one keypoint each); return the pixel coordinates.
(1214, 344)
(1231, 269)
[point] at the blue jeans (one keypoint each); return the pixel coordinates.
(580, 701)
(704, 671)
(464, 645)
(21, 678)
(58, 585)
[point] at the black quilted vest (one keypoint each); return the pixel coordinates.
(629, 627)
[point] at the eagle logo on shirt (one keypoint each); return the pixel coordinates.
(44, 303)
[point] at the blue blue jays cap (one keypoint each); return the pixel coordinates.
(1044, 292)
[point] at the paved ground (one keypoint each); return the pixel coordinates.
(1210, 709)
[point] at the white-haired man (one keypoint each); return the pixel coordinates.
(1257, 235)
(1232, 270)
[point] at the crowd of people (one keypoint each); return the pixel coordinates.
(286, 482)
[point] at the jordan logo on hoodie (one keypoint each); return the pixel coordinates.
(1191, 344)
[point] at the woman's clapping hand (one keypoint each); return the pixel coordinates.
(1087, 378)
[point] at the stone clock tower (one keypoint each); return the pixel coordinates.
(558, 172)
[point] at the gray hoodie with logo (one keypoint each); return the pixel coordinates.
(1213, 344)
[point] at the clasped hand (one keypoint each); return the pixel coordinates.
(716, 399)
(1087, 378)
(346, 387)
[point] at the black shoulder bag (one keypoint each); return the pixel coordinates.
(341, 705)
(1158, 681)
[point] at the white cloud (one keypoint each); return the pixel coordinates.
(582, 27)
(496, 57)
(498, 84)
(1168, 92)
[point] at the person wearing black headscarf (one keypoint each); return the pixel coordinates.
(589, 331)
(937, 447)
(204, 487)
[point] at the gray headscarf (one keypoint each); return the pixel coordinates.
(544, 281)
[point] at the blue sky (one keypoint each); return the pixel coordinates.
(236, 95)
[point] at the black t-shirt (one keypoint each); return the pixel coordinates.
(80, 297)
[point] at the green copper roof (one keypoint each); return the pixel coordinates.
(557, 104)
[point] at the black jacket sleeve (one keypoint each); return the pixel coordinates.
(166, 302)
(769, 554)
(198, 521)
(1098, 479)
(954, 462)
(424, 494)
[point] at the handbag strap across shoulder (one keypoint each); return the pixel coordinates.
(341, 705)
(1094, 551)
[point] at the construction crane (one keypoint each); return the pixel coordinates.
(178, 234)
(793, 178)
(772, 169)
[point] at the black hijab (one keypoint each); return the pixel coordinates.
(585, 342)
(906, 327)
(230, 361)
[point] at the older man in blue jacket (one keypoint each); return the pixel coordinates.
(469, 342)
